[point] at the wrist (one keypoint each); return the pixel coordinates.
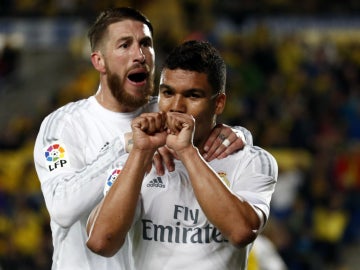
(142, 155)
(188, 152)
(128, 141)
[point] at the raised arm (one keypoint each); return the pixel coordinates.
(235, 218)
(110, 221)
(223, 141)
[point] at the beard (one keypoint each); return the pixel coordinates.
(115, 84)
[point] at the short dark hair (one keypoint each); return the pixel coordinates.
(199, 56)
(113, 15)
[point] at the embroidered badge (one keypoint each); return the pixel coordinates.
(56, 156)
(111, 179)
(224, 178)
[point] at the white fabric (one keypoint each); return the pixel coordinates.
(89, 143)
(172, 232)
(267, 255)
(244, 134)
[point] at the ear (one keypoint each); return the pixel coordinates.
(98, 62)
(220, 103)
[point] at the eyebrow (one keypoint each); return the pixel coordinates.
(168, 87)
(146, 38)
(165, 86)
(127, 38)
(123, 39)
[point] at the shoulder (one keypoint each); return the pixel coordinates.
(254, 158)
(64, 116)
(152, 105)
(153, 99)
(69, 109)
(263, 160)
(250, 152)
(256, 151)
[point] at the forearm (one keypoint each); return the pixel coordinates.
(67, 201)
(234, 218)
(110, 222)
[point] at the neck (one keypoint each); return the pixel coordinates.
(200, 143)
(107, 100)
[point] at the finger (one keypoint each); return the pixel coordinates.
(174, 123)
(152, 122)
(148, 168)
(167, 158)
(221, 146)
(141, 123)
(214, 154)
(159, 166)
(236, 145)
(217, 146)
(213, 136)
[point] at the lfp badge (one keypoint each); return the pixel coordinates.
(111, 179)
(55, 155)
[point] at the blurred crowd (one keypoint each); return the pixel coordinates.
(300, 100)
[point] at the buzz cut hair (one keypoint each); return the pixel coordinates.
(202, 57)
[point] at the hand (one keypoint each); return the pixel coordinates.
(222, 142)
(180, 129)
(164, 157)
(149, 131)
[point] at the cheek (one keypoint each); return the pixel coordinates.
(151, 55)
(205, 117)
(163, 105)
(200, 110)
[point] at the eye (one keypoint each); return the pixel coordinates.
(166, 93)
(124, 45)
(194, 95)
(146, 42)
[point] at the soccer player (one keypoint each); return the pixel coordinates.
(79, 145)
(201, 215)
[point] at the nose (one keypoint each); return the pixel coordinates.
(139, 55)
(178, 104)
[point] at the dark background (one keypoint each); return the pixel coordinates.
(293, 81)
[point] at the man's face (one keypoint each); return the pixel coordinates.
(190, 92)
(129, 62)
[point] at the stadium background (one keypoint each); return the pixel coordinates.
(293, 73)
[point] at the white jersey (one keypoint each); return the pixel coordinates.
(76, 151)
(172, 232)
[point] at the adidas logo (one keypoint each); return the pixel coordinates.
(156, 182)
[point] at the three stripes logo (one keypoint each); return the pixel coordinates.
(156, 182)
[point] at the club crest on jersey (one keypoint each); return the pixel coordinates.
(224, 178)
(111, 179)
(56, 156)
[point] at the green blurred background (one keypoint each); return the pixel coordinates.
(293, 81)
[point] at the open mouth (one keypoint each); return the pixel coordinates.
(138, 77)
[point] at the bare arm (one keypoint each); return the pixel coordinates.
(110, 221)
(214, 146)
(235, 218)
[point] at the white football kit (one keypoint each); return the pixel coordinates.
(76, 150)
(171, 231)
